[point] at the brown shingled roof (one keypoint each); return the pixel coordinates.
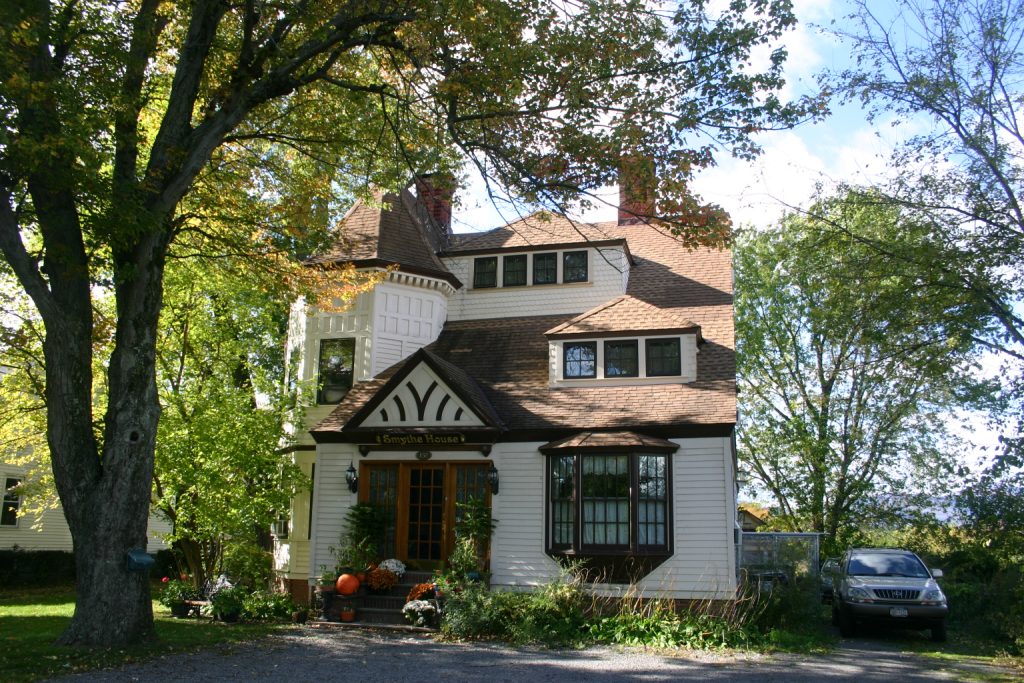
(507, 358)
(623, 314)
(539, 229)
(602, 440)
(391, 234)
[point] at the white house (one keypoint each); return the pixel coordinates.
(47, 529)
(579, 377)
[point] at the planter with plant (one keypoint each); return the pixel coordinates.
(325, 589)
(174, 595)
(228, 603)
(396, 567)
(381, 580)
(421, 612)
(347, 612)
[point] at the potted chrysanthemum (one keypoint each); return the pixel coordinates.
(421, 612)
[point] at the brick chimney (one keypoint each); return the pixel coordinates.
(435, 192)
(637, 183)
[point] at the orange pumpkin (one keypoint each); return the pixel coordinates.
(347, 584)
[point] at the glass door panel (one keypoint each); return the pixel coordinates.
(382, 491)
(425, 514)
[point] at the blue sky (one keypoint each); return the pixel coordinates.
(844, 147)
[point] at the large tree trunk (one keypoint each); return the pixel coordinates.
(109, 515)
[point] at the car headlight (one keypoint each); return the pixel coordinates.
(934, 595)
(859, 594)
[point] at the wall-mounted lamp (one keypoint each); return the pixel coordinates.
(352, 478)
(492, 479)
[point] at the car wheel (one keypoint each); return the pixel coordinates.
(939, 632)
(847, 629)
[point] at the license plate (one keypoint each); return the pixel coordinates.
(897, 611)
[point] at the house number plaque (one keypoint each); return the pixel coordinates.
(423, 455)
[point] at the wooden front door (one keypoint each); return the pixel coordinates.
(418, 500)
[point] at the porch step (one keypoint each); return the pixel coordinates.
(381, 608)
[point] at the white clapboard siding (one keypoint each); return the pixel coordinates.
(49, 530)
(517, 548)
(703, 564)
(331, 499)
(607, 270)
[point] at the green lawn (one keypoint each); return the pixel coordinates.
(30, 621)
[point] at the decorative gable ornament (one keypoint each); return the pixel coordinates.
(427, 403)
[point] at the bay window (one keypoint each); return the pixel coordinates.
(605, 503)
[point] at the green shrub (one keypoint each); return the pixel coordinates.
(228, 602)
(21, 568)
(665, 628)
(475, 613)
(267, 605)
(248, 565)
(554, 614)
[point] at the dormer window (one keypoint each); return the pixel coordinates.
(545, 269)
(574, 266)
(485, 272)
(579, 360)
(621, 359)
(337, 359)
(514, 270)
(663, 357)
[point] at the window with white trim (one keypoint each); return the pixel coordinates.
(485, 272)
(528, 269)
(12, 502)
(337, 360)
(513, 270)
(579, 360)
(663, 357)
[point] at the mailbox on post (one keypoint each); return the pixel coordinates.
(138, 560)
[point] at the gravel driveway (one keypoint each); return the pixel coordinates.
(309, 655)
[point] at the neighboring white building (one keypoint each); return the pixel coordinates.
(47, 530)
(588, 368)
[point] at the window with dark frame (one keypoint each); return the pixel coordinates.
(609, 503)
(663, 357)
(574, 266)
(621, 359)
(579, 360)
(485, 272)
(337, 358)
(545, 269)
(12, 501)
(514, 271)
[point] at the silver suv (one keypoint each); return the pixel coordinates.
(881, 585)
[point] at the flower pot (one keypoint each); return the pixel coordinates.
(348, 615)
(179, 610)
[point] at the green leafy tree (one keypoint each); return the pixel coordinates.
(845, 369)
(118, 119)
(955, 69)
(218, 474)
